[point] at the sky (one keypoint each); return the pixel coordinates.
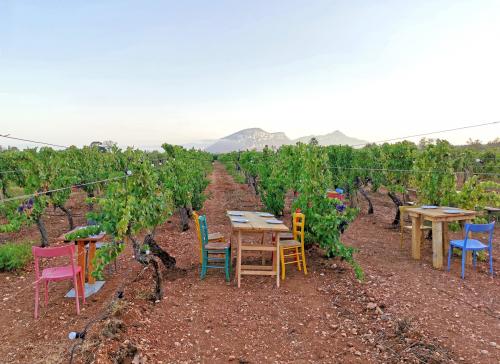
(146, 72)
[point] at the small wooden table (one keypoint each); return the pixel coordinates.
(257, 224)
(440, 220)
(81, 254)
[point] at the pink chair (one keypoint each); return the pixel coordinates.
(60, 273)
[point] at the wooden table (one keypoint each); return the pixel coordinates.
(440, 220)
(81, 254)
(257, 224)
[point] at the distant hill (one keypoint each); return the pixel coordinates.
(335, 138)
(256, 138)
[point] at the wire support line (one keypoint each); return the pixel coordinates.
(429, 133)
(415, 171)
(34, 141)
(23, 197)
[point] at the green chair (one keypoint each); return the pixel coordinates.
(211, 252)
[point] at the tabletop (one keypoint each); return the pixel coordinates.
(255, 222)
(91, 239)
(440, 214)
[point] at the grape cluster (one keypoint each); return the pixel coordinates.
(340, 207)
(26, 206)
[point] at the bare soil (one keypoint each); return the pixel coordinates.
(404, 310)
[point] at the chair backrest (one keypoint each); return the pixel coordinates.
(480, 228)
(60, 251)
(197, 225)
(299, 221)
(203, 231)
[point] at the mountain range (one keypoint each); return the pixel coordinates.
(256, 138)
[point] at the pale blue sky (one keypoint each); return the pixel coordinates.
(145, 72)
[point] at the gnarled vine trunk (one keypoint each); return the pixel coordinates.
(398, 203)
(156, 253)
(43, 232)
(69, 216)
(184, 218)
(365, 195)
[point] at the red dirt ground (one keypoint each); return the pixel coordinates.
(404, 310)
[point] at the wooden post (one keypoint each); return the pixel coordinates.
(437, 244)
(81, 257)
(446, 239)
(238, 260)
(416, 236)
(277, 259)
(90, 277)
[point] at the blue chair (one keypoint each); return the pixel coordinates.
(473, 244)
(209, 249)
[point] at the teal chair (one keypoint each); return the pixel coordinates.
(208, 251)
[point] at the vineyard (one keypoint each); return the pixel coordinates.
(159, 310)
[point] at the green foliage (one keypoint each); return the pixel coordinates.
(83, 233)
(435, 178)
(14, 256)
(105, 255)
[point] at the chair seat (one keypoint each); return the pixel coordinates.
(286, 236)
(472, 244)
(217, 246)
(55, 273)
(289, 243)
(215, 236)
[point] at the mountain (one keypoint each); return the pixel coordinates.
(335, 138)
(256, 138)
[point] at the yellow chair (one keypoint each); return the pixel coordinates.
(212, 238)
(292, 251)
(404, 210)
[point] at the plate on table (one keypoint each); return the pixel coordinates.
(235, 213)
(454, 211)
(274, 221)
(265, 214)
(239, 220)
(429, 207)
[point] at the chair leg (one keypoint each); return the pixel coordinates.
(283, 266)
(36, 299)
(450, 251)
(304, 260)
(297, 258)
(226, 264)
(490, 251)
(75, 284)
(474, 259)
(46, 296)
(464, 253)
(204, 265)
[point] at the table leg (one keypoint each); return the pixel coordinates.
(238, 260)
(90, 263)
(416, 236)
(262, 256)
(446, 239)
(81, 257)
(277, 260)
(437, 244)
